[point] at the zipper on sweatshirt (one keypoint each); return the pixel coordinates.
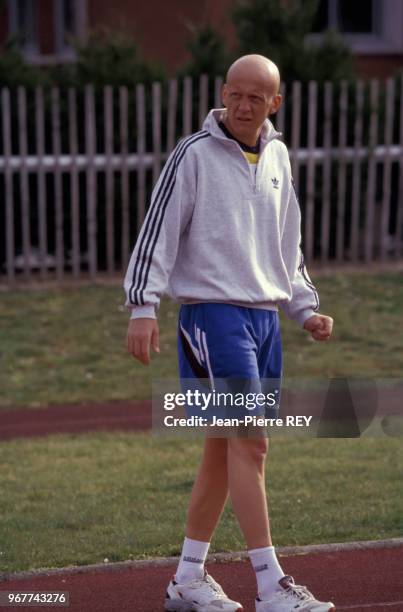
(255, 174)
(252, 174)
(251, 171)
(252, 179)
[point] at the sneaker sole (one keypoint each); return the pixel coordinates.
(332, 609)
(179, 605)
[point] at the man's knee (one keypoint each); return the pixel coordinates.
(215, 453)
(250, 449)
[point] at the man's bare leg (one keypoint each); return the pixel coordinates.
(246, 481)
(210, 491)
(235, 465)
(207, 500)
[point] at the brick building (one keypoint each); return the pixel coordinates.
(43, 27)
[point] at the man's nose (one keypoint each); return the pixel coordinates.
(244, 105)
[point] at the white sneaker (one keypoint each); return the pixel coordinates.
(199, 595)
(292, 598)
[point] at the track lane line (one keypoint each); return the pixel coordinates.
(370, 605)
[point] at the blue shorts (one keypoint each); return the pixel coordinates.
(240, 345)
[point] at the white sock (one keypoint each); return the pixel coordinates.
(267, 569)
(191, 564)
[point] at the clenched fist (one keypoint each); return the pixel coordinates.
(320, 326)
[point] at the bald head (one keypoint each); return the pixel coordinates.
(255, 68)
(250, 94)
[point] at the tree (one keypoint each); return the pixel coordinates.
(278, 30)
(14, 70)
(112, 58)
(207, 52)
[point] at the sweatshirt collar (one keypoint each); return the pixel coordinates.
(267, 134)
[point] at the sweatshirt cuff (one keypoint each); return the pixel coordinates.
(143, 312)
(304, 315)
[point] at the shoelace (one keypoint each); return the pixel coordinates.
(300, 591)
(212, 584)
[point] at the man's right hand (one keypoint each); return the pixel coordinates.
(141, 334)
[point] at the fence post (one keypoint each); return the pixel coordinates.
(356, 186)
(9, 187)
(310, 191)
(327, 171)
(75, 212)
(399, 215)
(156, 107)
(58, 183)
(109, 178)
(341, 177)
(23, 152)
(124, 176)
(387, 168)
(295, 131)
(90, 148)
(218, 82)
(41, 186)
(171, 119)
(187, 106)
(203, 99)
(370, 201)
(141, 149)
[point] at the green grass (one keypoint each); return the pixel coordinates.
(70, 346)
(366, 342)
(62, 346)
(75, 500)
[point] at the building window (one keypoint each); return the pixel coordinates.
(352, 19)
(346, 16)
(45, 32)
(371, 27)
(64, 20)
(23, 22)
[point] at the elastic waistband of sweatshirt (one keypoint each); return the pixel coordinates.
(259, 305)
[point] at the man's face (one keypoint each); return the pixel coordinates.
(248, 104)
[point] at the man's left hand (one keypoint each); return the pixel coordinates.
(320, 326)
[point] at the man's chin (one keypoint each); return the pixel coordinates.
(244, 124)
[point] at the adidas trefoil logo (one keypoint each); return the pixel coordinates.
(275, 182)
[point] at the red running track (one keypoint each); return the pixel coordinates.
(133, 416)
(356, 580)
(75, 418)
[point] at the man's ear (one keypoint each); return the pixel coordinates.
(275, 105)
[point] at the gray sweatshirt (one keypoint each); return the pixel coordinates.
(216, 231)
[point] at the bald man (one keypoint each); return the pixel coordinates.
(222, 237)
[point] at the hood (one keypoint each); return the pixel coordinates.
(210, 124)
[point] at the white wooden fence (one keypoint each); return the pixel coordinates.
(351, 191)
